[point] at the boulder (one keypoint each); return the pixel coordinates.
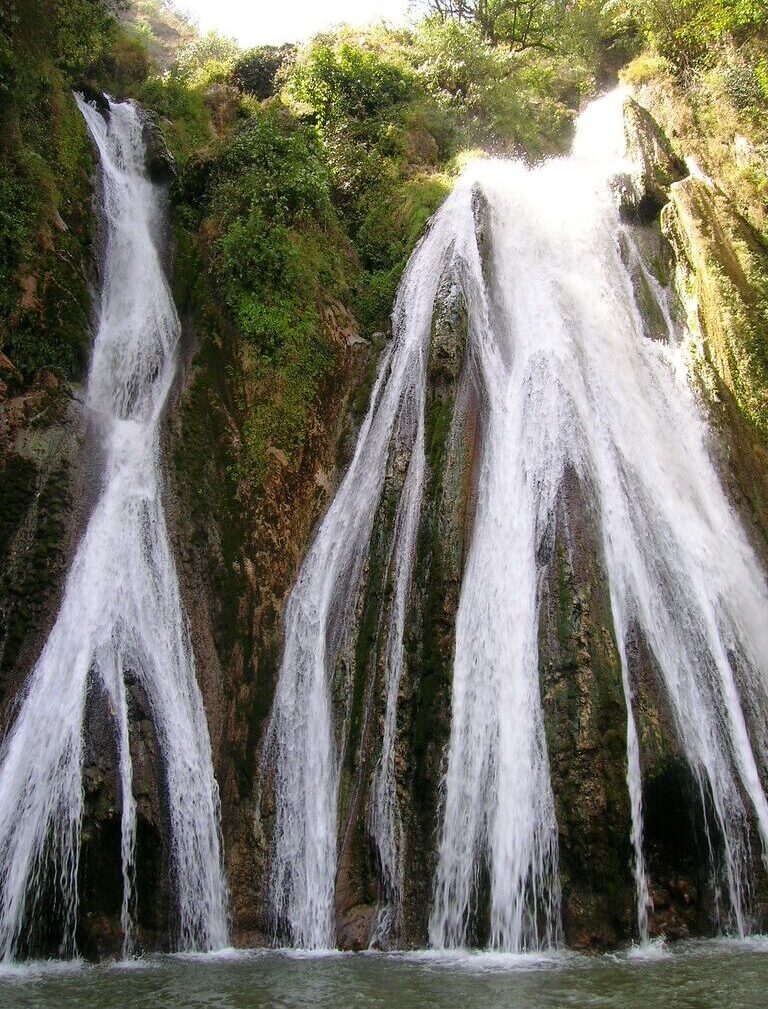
(160, 164)
(644, 190)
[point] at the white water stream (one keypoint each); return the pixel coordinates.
(121, 618)
(318, 622)
(569, 382)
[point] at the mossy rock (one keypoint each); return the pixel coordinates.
(160, 163)
(644, 191)
(723, 278)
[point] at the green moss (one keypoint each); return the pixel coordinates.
(18, 490)
(726, 264)
(430, 641)
(46, 163)
(370, 631)
(45, 297)
(393, 222)
(272, 250)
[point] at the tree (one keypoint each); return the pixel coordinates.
(344, 80)
(684, 31)
(520, 24)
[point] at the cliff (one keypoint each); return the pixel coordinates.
(290, 226)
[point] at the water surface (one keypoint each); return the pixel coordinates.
(711, 975)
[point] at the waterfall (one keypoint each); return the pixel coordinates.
(385, 824)
(121, 619)
(319, 622)
(569, 383)
(580, 386)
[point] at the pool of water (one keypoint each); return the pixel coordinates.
(702, 975)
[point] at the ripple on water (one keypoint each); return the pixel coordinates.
(717, 974)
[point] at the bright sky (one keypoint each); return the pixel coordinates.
(257, 22)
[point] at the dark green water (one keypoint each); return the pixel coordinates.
(714, 975)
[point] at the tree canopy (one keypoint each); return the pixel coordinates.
(520, 24)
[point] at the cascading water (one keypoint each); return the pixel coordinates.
(385, 815)
(121, 618)
(319, 621)
(569, 383)
(578, 385)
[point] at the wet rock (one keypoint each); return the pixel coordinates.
(452, 440)
(644, 191)
(354, 928)
(449, 332)
(584, 717)
(160, 164)
(481, 211)
(40, 429)
(649, 260)
(722, 278)
(95, 97)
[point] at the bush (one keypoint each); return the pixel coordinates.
(255, 71)
(84, 31)
(188, 125)
(499, 98)
(206, 59)
(643, 68)
(272, 248)
(125, 65)
(396, 219)
(345, 81)
(277, 165)
(684, 31)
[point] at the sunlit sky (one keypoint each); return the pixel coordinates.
(256, 22)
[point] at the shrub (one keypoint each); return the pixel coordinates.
(271, 247)
(188, 125)
(499, 98)
(207, 58)
(255, 71)
(643, 68)
(684, 31)
(345, 81)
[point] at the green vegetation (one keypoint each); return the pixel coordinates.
(685, 31)
(703, 75)
(360, 138)
(259, 206)
(255, 71)
(519, 24)
(307, 175)
(395, 109)
(714, 53)
(45, 168)
(304, 178)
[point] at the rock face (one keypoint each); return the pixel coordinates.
(160, 163)
(585, 718)
(41, 428)
(451, 433)
(235, 597)
(722, 266)
(237, 561)
(238, 556)
(717, 262)
(645, 191)
(49, 470)
(715, 268)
